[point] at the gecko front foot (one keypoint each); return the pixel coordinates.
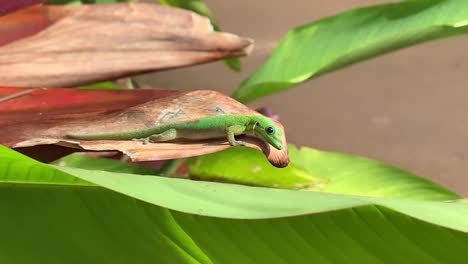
(232, 131)
(145, 141)
(238, 143)
(167, 135)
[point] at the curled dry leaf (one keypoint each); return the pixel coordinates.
(20, 24)
(44, 116)
(65, 46)
(11, 6)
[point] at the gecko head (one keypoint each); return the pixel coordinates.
(270, 132)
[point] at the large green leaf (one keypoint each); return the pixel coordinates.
(246, 166)
(335, 42)
(102, 86)
(349, 174)
(69, 215)
(318, 170)
(199, 7)
(84, 161)
(249, 166)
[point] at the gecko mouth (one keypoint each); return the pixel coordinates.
(277, 138)
(274, 138)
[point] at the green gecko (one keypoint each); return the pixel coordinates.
(204, 128)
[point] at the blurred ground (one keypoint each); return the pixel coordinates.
(406, 108)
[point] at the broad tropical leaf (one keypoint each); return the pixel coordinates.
(318, 170)
(355, 175)
(85, 161)
(241, 165)
(69, 215)
(338, 41)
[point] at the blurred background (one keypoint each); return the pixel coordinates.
(407, 108)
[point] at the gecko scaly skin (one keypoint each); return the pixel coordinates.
(204, 128)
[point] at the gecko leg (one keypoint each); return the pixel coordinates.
(232, 131)
(167, 135)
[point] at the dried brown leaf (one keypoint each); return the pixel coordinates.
(84, 44)
(29, 125)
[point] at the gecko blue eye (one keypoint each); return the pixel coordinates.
(270, 130)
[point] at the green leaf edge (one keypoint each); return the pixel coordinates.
(202, 198)
(253, 88)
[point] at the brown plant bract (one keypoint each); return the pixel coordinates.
(26, 124)
(66, 46)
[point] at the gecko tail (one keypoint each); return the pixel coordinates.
(124, 135)
(93, 136)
